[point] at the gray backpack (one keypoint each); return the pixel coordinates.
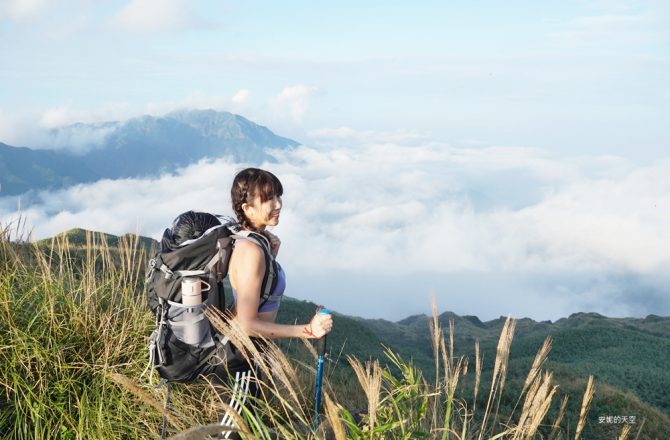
(183, 342)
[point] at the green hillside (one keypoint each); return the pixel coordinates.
(628, 357)
(78, 238)
(92, 292)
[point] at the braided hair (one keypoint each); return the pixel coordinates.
(249, 184)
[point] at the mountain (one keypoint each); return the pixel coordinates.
(78, 238)
(139, 147)
(628, 358)
(23, 169)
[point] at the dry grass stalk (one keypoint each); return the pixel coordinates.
(499, 369)
(371, 380)
(537, 403)
(478, 373)
(436, 336)
(237, 418)
(436, 333)
(502, 351)
(333, 416)
(107, 260)
(146, 398)
(624, 432)
(586, 403)
(310, 347)
(286, 366)
(279, 377)
(89, 280)
(281, 381)
(540, 357)
(531, 395)
(229, 327)
(559, 419)
(466, 364)
(451, 341)
(282, 368)
(451, 386)
(445, 359)
(639, 430)
(133, 253)
(461, 365)
(43, 265)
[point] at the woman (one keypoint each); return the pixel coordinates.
(256, 201)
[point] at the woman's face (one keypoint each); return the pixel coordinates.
(262, 214)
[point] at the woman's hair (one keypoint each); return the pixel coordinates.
(249, 184)
(190, 225)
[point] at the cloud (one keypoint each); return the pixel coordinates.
(44, 130)
(195, 100)
(22, 10)
(241, 97)
(294, 101)
(616, 30)
(124, 205)
(15, 128)
(60, 128)
(157, 15)
(78, 130)
(79, 138)
(581, 233)
(331, 136)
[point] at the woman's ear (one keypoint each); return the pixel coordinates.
(248, 210)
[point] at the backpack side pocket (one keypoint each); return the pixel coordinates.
(189, 324)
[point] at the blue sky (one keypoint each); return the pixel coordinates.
(570, 77)
(512, 154)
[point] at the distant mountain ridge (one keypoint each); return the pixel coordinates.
(628, 357)
(79, 237)
(138, 147)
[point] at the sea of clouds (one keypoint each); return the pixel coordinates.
(376, 224)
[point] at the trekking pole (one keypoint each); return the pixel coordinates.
(321, 351)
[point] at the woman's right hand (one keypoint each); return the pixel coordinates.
(320, 325)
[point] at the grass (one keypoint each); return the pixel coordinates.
(73, 335)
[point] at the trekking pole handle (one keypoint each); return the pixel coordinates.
(321, 342)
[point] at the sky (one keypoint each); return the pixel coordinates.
(502, 157)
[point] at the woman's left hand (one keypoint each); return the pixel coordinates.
(275, 242)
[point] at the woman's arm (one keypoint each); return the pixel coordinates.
(247, 270)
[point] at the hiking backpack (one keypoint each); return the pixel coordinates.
(184, 341)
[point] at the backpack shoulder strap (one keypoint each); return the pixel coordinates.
(269, 279)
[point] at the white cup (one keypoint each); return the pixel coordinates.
(191, 291)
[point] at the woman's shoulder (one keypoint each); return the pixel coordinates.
(248, 250)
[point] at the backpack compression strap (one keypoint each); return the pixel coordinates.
(169, 273)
